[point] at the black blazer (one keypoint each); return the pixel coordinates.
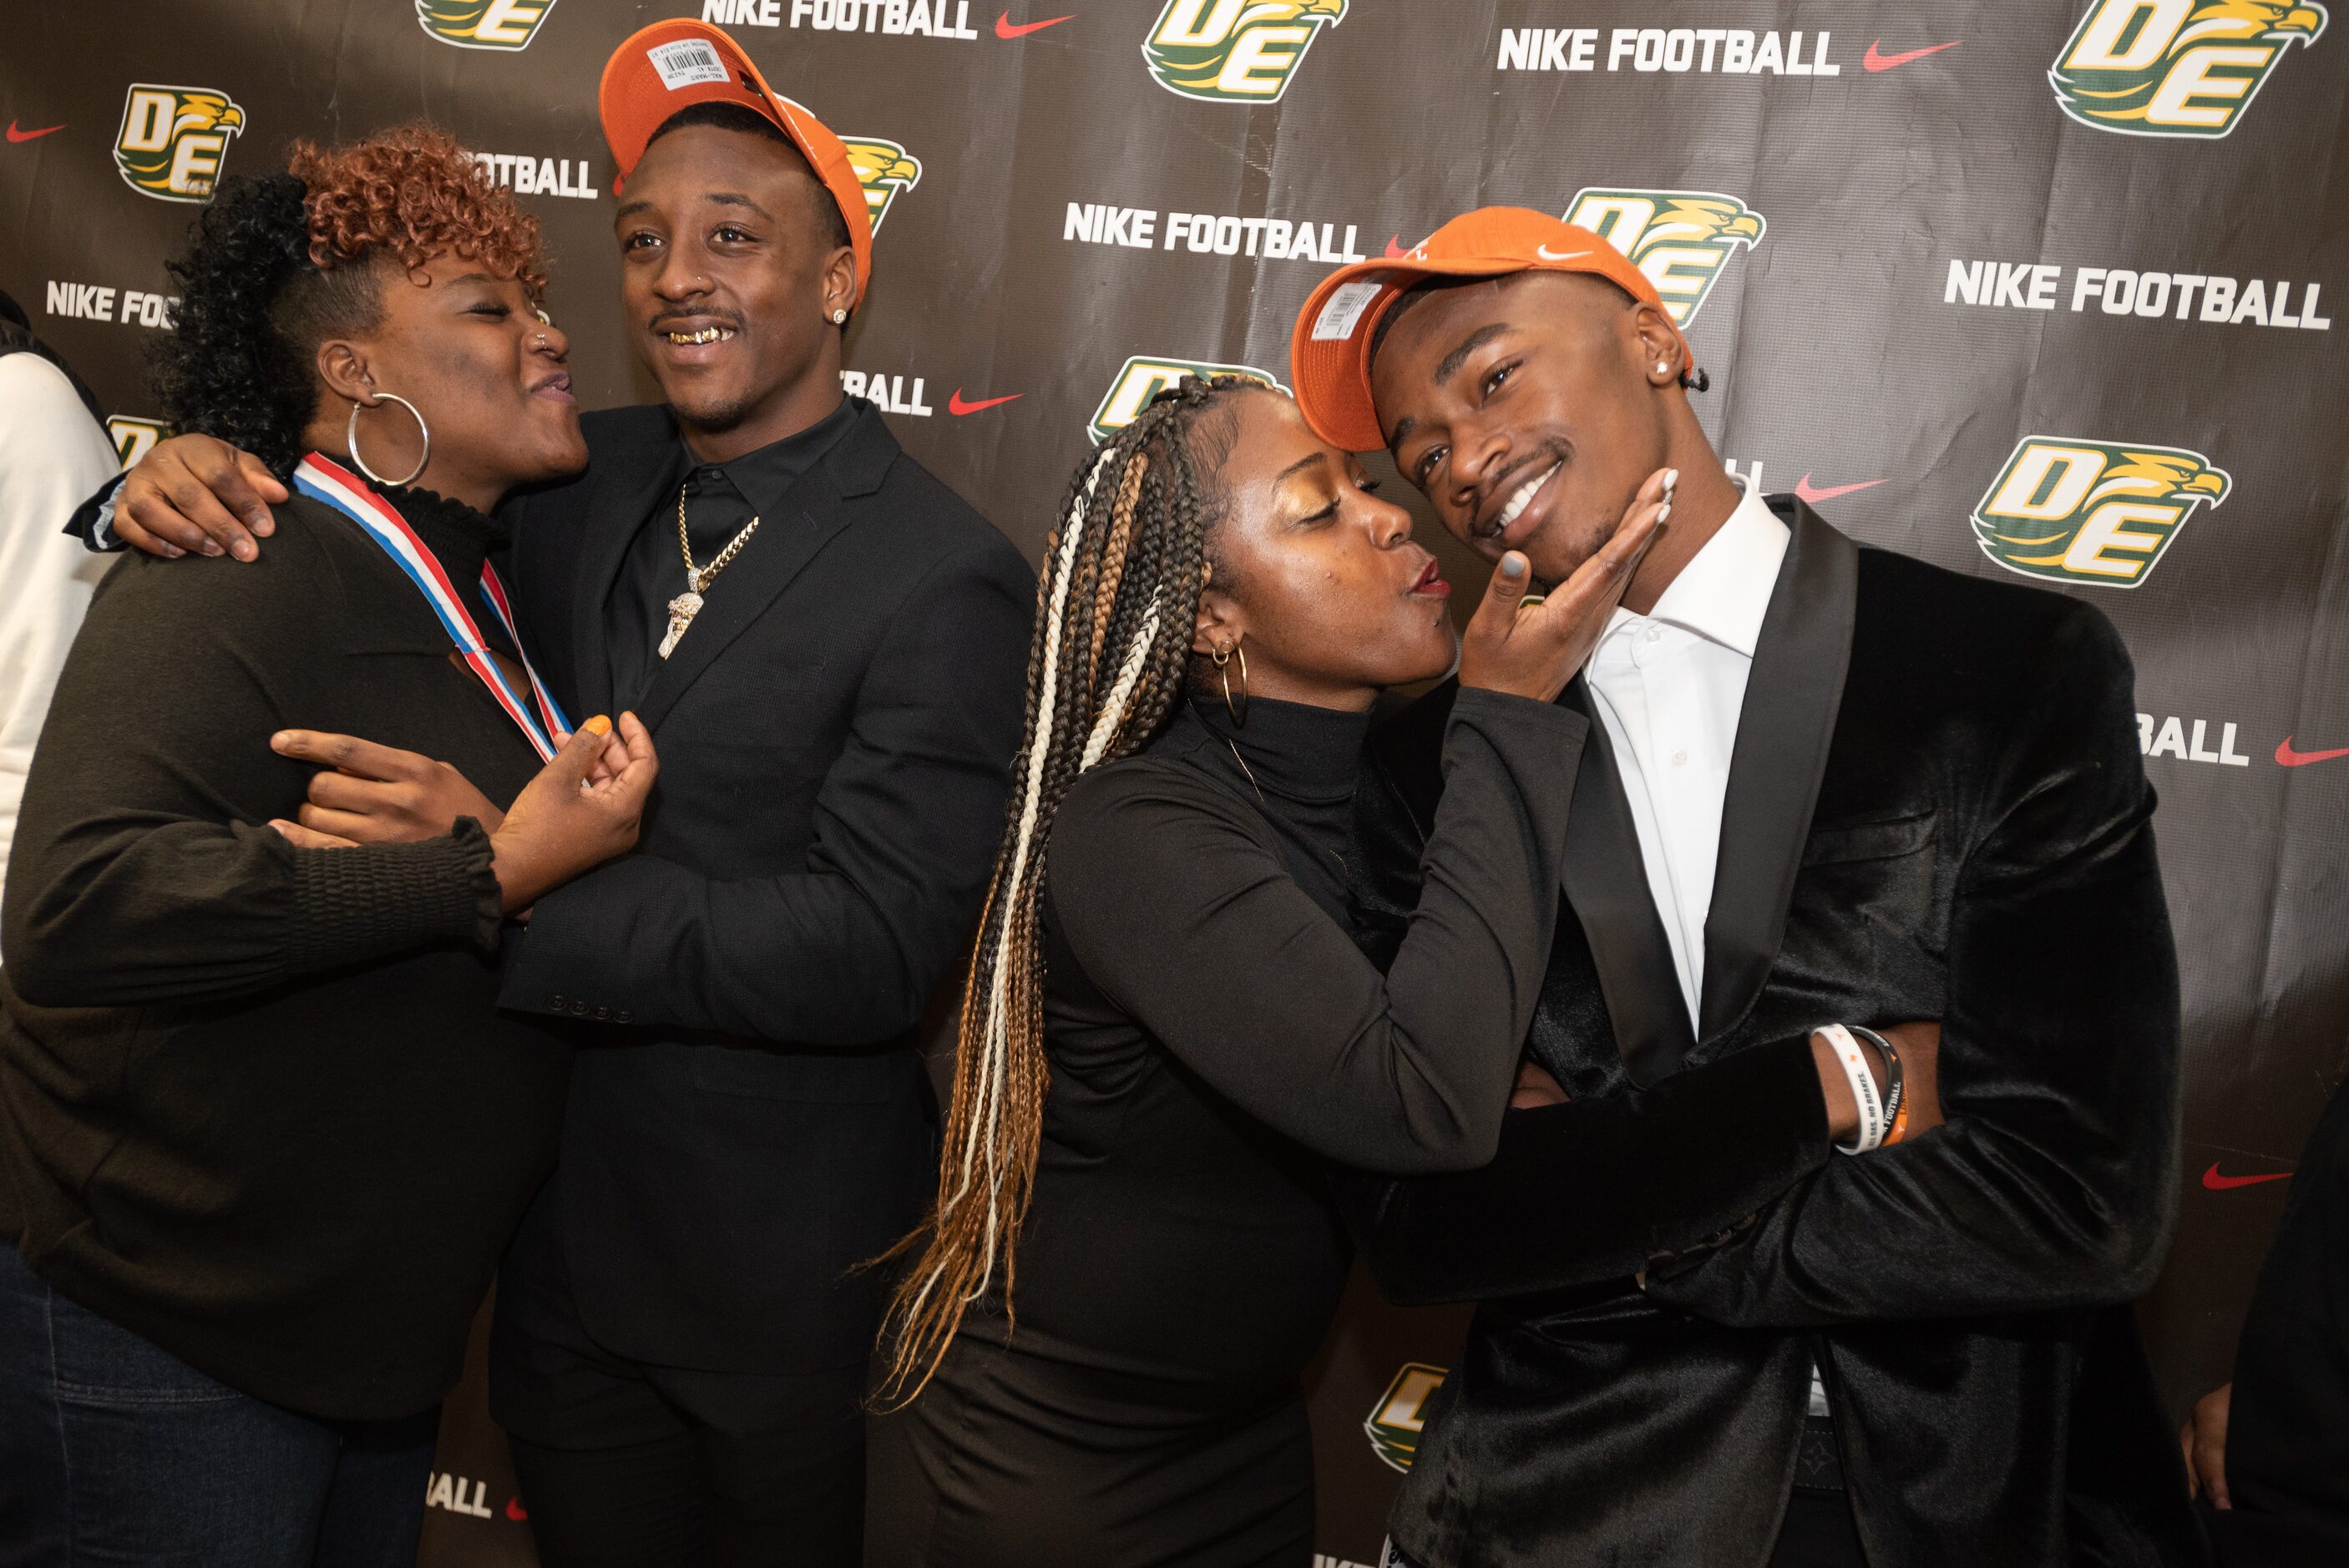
(1935, 809)
(835, 735)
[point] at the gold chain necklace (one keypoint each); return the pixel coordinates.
(688, 604)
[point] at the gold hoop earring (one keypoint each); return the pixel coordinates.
(351, 438)
(1223, 658)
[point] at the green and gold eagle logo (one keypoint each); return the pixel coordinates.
(483, 23)
(1680, 239)
(174, 138)
(2091, 512)
(1400, 1414)
(2175, 67)
(1235, 51)
(885, 169)
(1142, 377)
(134, 438)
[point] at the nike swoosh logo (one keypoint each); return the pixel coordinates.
(1394, 248)
(1811, 494)
(2291, 759)
(1005, 28)
(2218, 1184)
(954, 405)
(1876, 62)
(17, 135)
(1546, 254)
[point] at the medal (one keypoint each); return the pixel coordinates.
(324, 479)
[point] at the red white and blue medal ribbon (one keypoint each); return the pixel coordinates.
(324, 479)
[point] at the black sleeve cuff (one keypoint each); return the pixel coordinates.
(359, 904)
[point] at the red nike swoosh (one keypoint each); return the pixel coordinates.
(954, 405)
(15, 135)
(2218, 1184)
(1394, 248)
(1005, 28)
(515, 1511)
(1811, 495)
(1876, 62)
(2291, 759)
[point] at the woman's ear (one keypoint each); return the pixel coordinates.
(1220, 623)
(343, 367)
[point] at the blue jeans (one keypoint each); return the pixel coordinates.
(114, 1451)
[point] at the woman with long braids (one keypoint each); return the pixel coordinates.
(1168, 1034)
(1172, 1046)
(262, 1134)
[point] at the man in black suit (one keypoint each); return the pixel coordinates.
(1837, 787)
(682, 1329)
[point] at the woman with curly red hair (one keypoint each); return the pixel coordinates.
(262, 1135)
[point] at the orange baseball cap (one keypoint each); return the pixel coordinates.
(1329, 351)
(674, 65)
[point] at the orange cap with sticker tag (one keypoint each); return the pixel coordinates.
(674, 65)
(1329, 351)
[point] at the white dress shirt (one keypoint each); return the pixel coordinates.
(1669, 685)
(52, 454)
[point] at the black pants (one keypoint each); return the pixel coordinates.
(628, 1464)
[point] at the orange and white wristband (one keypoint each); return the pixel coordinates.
(1873, 1122)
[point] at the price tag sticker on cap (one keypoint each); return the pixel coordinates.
(687, 63)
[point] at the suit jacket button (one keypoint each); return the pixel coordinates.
(578, 1009)
(624, 1017)
(561, 1003)
(602, 1013)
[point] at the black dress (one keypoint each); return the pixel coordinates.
(1215, 1041)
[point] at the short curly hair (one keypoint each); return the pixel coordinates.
(280, 262)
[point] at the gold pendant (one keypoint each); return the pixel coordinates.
(681, 612)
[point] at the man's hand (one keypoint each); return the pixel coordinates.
(370, 794)
(2204, 1439)
(196, 493)
(566, 821)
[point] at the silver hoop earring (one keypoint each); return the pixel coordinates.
(351, 438)
(840, 318)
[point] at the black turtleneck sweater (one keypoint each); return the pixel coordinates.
(1216, 1040)
(255, 1102)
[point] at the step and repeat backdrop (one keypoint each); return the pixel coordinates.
(2039, 286)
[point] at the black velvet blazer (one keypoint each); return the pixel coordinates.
(1935, 809)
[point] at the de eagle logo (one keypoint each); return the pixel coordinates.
(2092, 511)
(173, 139)
(2177, 68)
(483, 23)
(1235, 51)
(884, 168)
(1681, 239)
(1400, 1415)
(1145, 377)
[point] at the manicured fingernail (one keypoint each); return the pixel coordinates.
(1665, 511)
(1513, 566)
(1671, 478)
(212, 547)
(599, 725)
(277, 742)
(242, 550)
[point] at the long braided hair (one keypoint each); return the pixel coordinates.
(1115, 610)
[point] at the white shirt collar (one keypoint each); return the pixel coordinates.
(1723, 592)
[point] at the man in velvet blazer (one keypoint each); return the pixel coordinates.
(1934, 809)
